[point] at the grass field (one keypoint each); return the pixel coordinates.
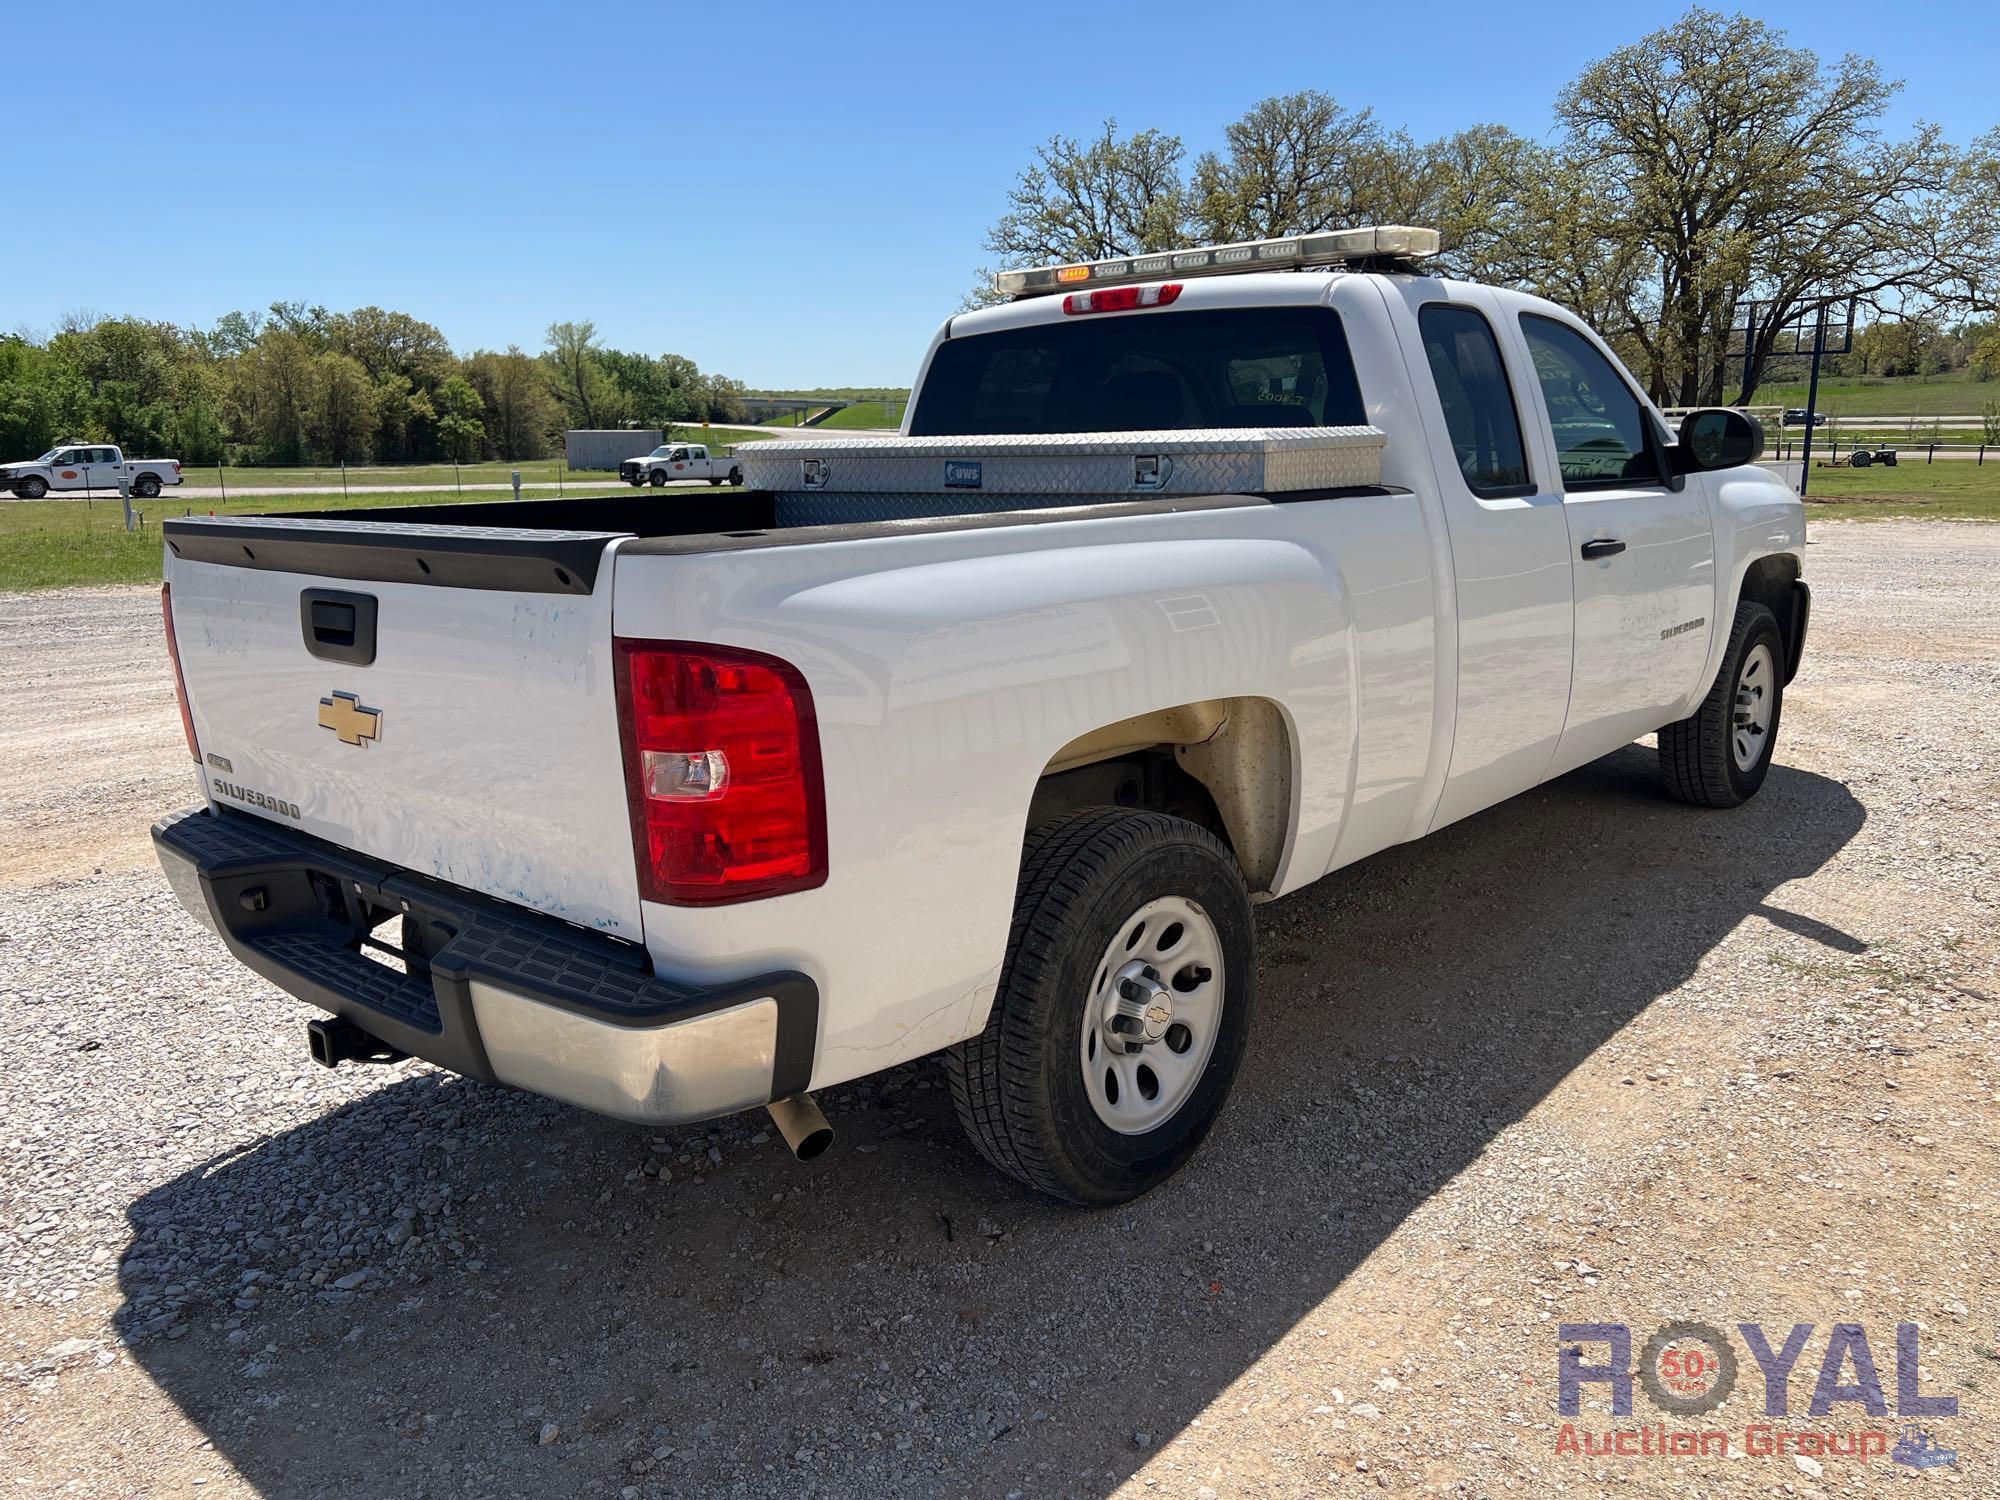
(1957, 491)
(866, 414)
(862, 414)
(1912, 395)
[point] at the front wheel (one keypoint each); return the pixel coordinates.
(1720, 754)
(1123, 1009)
(658, 479)
(32, 488)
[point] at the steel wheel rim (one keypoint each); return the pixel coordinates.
(1168, 954)
(1756, 705)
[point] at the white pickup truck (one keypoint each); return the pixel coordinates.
(1179, 590)
(88, 466)
(672, 461)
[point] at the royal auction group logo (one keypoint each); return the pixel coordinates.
(1689, 1369)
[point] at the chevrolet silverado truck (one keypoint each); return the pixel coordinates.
(672, 461)
(88, 466)
(1190, 579)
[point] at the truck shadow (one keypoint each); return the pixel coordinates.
(896, 1316)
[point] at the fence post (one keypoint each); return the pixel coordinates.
(222, 481)
(517, 484)
(343, 479)
(455, 479)
(1931, 456)
(125, 494)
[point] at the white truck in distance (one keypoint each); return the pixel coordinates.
(96, 466)
(1179, 590)
(673, 461)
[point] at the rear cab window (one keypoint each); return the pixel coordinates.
(1603, 437)
(1480, 414)
(1131, 372)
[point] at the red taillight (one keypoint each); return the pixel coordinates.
(1122, 298)
(174, 654)
(723, 772)
(177, 466)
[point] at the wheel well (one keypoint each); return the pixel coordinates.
(1768, 581)
(1224, 763)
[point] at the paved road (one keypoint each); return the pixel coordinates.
(1587, 1057)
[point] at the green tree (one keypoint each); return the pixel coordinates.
(521, 415)
(1730, 165)
(461, 422)
(1297, 163)
(592, 398)
(1086, 200)
(341, 417)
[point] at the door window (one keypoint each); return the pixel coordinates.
(1602, 435)
(1478, 401)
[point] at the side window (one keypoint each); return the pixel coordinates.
(1600, 427)
(1477, 399)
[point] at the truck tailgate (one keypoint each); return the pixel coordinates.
(440, 698)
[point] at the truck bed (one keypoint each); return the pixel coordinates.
(556, 546)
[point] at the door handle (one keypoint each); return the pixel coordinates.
(1604, 547)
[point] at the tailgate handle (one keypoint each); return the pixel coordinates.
(338, 626)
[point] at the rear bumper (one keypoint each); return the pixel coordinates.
(486, 989)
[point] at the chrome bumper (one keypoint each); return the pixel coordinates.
(486, 989)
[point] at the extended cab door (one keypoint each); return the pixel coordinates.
(1509, 547)
(66, 469)
(1642, 550)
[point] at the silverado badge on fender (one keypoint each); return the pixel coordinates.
(351, 723)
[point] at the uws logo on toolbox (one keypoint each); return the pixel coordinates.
(1688, 1370)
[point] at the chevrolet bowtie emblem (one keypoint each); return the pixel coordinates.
(350, 722)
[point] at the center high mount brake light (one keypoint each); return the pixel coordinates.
(1385, 242)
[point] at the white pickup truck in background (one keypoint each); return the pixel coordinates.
(88, 466)
(1180, 590)
(675, 461)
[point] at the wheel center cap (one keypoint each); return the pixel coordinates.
(1142, 1007)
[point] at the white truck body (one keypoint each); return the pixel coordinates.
(88, 466)
(1342, 670)
(671, 463)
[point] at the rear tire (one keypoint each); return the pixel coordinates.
(32, 488)
(147, 487)
(1719, 755)
(1096, 886)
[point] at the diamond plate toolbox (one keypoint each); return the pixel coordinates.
(1198, 461)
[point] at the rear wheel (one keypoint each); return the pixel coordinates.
(1719, 755)
(32, 488)
(735, 476)
(146, 487)
(1123, 1009)
(1860, 458)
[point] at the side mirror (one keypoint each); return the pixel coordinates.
(1718, 437)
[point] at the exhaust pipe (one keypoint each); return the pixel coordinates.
(333, 1040)
(802, 1125)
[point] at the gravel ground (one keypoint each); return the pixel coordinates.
(1588, 1057)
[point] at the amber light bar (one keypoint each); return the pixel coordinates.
(1333, 247)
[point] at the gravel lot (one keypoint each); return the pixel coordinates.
(1589, 1057)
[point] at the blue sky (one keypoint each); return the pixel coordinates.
(791, 195)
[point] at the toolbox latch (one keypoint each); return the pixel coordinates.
(1150, 471)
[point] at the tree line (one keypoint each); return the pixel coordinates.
(1707, 165)
(301, 384)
